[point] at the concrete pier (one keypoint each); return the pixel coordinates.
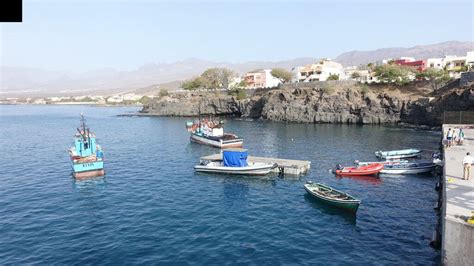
(458, 203)
(285, 166)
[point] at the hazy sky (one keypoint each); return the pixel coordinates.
(86, 35)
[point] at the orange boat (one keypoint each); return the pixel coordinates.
(371, 169)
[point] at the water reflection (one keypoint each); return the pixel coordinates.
(366, 179)
(348, 217)
(89, 184)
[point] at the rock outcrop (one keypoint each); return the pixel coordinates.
(313, 104)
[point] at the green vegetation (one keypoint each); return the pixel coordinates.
(400, 75)
(364, 88)
(282, 74)
(85, 99)
(144, 100)
(163, 93)
(240, 94)
(333, 77)
(242, 84)
(212, 78)
(355, 75)
(327, 88)
(437, 77)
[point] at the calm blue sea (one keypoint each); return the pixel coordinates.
(152, 208)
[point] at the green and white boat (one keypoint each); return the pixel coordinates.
(332, 196)
(398, 154)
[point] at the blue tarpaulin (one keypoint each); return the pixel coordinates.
(235, 157)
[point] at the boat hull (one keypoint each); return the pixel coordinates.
(234, 143)
(373, 169)
(413, 170)
(351, 206)
(260, 170)
(88, 169)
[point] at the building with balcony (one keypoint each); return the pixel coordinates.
(261, 79)
(419, 65)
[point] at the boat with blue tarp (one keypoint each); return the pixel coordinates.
(234, 161)
(87, 157)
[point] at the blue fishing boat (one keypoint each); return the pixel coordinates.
(87, 157)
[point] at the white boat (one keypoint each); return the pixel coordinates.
(397, 154)
(211, 133)
(223, 141)
(250, 169)
(409, 168)
(234, 161)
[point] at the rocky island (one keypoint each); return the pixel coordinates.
(325, 102)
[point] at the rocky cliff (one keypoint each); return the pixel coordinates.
(320, 103)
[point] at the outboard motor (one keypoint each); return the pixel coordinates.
(339, 167)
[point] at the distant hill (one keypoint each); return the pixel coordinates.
(23, 81)
(18, 81)
(355, 58)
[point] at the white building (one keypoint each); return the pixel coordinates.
(115, 99)
(436, 63)
(453, 62)
(470, 59)
(383, 61)
(131, 97)
(318, 72)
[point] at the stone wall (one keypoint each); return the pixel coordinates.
(467, 78)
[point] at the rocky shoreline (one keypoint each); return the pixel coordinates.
(349, 103)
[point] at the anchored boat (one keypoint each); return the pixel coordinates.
(409, 168)
(332, 196)
(234, 161)
(87, 157)
(371, 169)
(397, 154)
(210, 132)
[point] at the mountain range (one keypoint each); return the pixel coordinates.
(33, 82)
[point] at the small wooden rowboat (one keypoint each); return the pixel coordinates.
(332, 196)
(397, 154)
(371, 169)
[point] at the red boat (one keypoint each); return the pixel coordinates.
(371, 169)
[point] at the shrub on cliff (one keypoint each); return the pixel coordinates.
(333, 77)
(163, 93)
(282, 74)
(355, 75)
(437, 77)
(144, 100)
(212, 78)
(327, 88)
(240, 94)
(400, 75)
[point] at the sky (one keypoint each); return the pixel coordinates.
(87, 35)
